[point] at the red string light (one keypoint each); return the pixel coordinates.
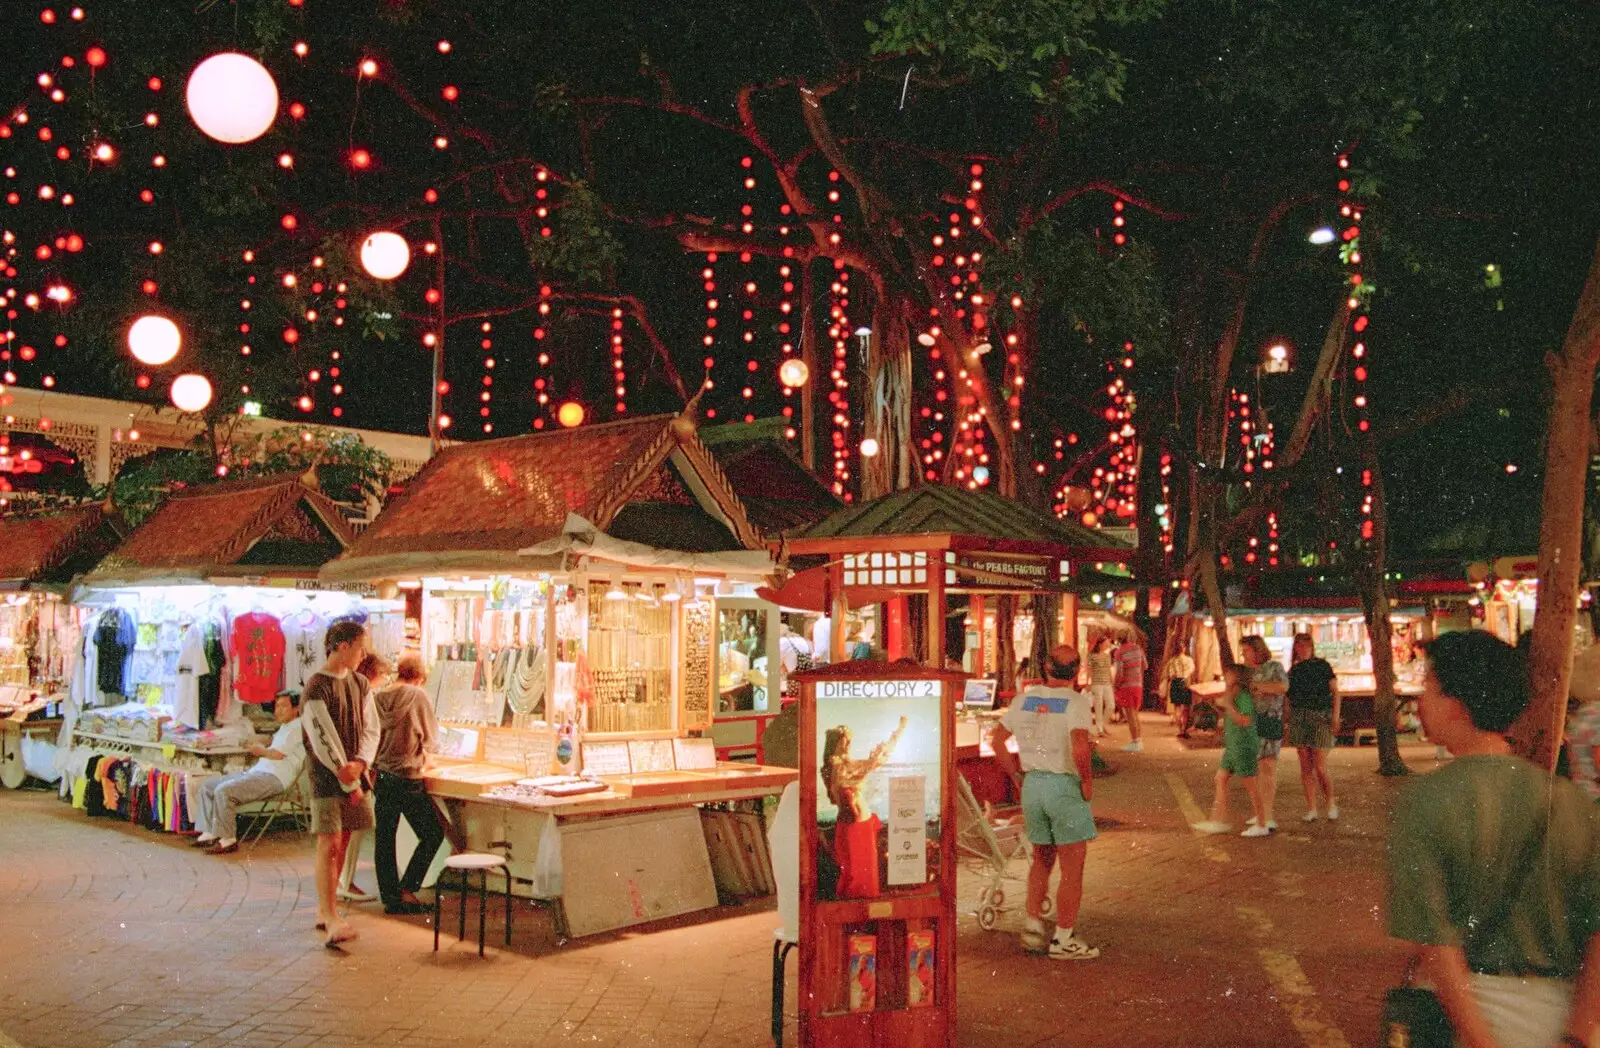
(708, 277)
(486, 383)
(541, 380)
(618, 366)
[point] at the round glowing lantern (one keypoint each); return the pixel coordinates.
(385, 255)
(793, 373)
(191, 392)
(869, 447)
(232, 98)
(570, 414)
(154, 340)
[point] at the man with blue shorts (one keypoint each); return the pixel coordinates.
(1051, 724)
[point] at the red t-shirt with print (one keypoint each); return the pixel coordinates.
(257, 649)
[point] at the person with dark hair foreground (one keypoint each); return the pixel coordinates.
(1052, 764)
(1494, 865)
(341, 725)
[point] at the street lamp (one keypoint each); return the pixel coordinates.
(1322, 235)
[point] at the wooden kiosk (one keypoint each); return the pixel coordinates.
(877, 855)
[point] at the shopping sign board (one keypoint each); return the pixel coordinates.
(1002, 571)
(878, 689)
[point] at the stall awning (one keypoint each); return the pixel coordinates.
(579, 538)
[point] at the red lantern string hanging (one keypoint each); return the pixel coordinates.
(708, 277)
(336, 363)
(541, 380)
(486, 392)
(839, 330)
(619, 373)
(748, 290)
(786, 326)
(1351, 212)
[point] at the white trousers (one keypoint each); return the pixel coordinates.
(1524, 1013)
(1103, 704)
(221, 799)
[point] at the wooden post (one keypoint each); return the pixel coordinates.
(839, 611)
(935, 617)
(980, 658)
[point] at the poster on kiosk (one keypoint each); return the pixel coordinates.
(877, 862)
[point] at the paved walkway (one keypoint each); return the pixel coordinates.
(114, 936)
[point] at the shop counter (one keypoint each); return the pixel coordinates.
(637, 851)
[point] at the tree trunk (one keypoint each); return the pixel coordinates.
(1005, 643)
(808, 354)
(1572, 374)
(1375, 609)
(1046, 617)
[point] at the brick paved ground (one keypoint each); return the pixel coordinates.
(111, 935)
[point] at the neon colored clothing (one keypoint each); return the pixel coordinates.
(257, 648)
(1241, 748)
(1053, 809)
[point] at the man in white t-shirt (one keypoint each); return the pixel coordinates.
(279, 766)
(1051, 724)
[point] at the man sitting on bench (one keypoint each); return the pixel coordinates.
(278, 768)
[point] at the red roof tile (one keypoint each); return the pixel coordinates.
(31, 546)
(215, 525)
(475, 505)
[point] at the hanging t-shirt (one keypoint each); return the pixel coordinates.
(191, 664)
(114, 638)
(257, 650)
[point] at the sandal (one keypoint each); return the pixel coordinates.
(341, 934)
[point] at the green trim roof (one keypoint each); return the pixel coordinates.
(939, 510)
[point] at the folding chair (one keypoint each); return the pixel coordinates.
(292, 804)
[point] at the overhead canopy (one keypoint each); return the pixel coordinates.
(270, 526)
(475, 507)
(50, 548)
(579, 538)
(777, 490)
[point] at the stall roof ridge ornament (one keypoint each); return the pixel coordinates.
(475, 505)
(959, 512)
(40, 548)
(214, 528)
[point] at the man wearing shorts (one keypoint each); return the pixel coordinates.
(1051, 724)
(1127, 672)
(342, 728)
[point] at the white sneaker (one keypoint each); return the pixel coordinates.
(1272, 825)
(1311, 816)
(1136, 746)
(1333, 813)
(1072, 949)
(1035, 935)
(1256, 831)
(1210, 826)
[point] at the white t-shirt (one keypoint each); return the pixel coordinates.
(822, 640)
(191, 667)
(1043, 720)
(289, 740)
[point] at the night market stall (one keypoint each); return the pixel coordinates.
(193, 625)
(567, 587)
(40, 632)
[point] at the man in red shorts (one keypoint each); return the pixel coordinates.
(1127, 675)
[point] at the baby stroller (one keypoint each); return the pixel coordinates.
(994, 841)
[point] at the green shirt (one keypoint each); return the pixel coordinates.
(1459, 832)
(1238, 738)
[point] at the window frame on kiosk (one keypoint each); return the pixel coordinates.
(827, 1019)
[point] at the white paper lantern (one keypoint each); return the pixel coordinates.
(232, 98)
(154, 340)
(191, 392)
(869, 447)
(385, 255)
(793, 373)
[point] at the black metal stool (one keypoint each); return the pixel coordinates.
(464, 865)
(781, 948)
